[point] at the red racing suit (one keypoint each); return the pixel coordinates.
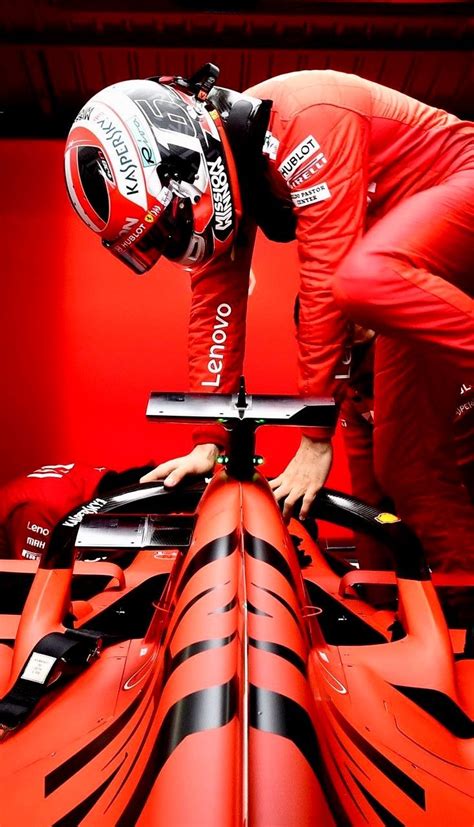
(357, 421)
(382, 187)
(31, 505)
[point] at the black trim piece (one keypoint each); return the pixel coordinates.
(130, 736)
(281, 600)
(205, 709)
(386, 817)
(60, 553)
(442, 708)
(339, 625)
(190, 604)
(130, 616)
(227, 608)
(349, 791)
(383, 764)
(280, 715)
(282, 652)
(76, 815)
(76, 762)
(197, 648)
(215, 550)
(153, 704)
(253, 610)
(349, 512)
(344, 749)
(261, 550)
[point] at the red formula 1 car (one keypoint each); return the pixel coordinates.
(203, 664)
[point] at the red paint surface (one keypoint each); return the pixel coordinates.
(84, 341)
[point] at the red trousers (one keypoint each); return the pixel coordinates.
(410, 278)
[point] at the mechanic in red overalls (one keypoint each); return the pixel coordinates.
(376, 187)
(357, 422)
(32, 504)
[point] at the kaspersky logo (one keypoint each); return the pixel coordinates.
(91, 508)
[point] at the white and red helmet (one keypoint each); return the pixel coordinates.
(149, 169)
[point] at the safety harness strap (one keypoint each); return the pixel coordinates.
(57, 655)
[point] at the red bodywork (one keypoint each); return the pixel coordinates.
(234, 705)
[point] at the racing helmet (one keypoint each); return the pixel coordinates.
(150, 170)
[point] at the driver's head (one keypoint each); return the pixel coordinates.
(149, 169)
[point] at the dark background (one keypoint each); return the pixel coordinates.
(82, 341)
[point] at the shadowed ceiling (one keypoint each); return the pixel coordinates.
(55, 54)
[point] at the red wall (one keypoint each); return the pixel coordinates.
(84, 341)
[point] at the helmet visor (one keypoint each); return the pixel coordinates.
(169, 236)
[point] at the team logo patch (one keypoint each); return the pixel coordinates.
(312, 195)
(385, 518)
(270, 146)
(299, 155)
(306, 172)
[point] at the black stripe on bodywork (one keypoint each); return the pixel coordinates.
(261, 550)
(387, 818)
(215, 550)
(394, 773)
(282, 651)
(76, 762)
(205, 709)
(339, 741)
(272, 712)
(197, 648)
(255, 611)
(442, 708)
(190, 604)
(280, 600)
(76, 815)
(227, 608)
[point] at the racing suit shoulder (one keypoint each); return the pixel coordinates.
(32, 504)
(322, 167)
(294, 92)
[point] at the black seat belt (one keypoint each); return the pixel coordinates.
(56, 656)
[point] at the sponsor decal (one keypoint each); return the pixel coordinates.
(142, 227)
(29, 555)
(114, 136)
(129, 225)
(91, 508)
(84, 114)
(33, 541)
(468, 405)
(308, 171)
(465, 407)
(320, 192)
(104, 166)
(301, 153)
(385, 518)
(38, 668)
(54, 471)
(138, 130)
(217, 349)
(221, 196)
(270, 146)
(37, 529)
